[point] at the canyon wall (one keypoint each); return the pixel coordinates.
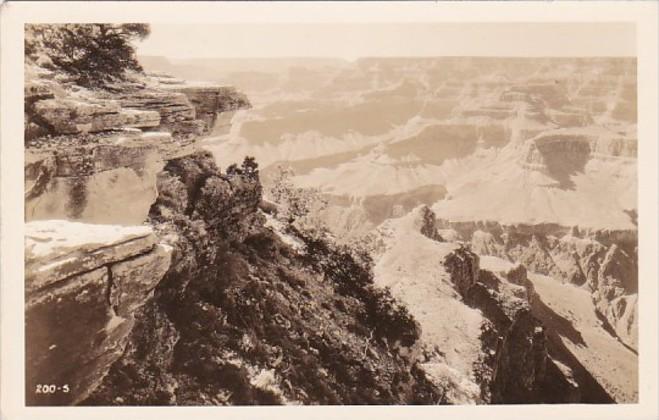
(92, 162)
(603, 262)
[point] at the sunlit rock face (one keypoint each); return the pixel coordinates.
(111, 144)
(92, 162)
(78, 181)
(84, 283)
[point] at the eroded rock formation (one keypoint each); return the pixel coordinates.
(516, 364)
(84, 283)
(92, 161)
(604, 262)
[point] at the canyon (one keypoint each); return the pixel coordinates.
(529, 160)
(494, 199)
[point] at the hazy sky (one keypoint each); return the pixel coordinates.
(353, 40)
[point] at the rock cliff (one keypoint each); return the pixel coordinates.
(83, 283)
(92, 162)
(489, 346)
(603, 262)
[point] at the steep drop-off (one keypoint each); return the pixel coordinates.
(188, 290)
(477, 321)
(243, 318)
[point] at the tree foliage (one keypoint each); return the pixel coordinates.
(248, 169)
(92, 54)
(297, 206)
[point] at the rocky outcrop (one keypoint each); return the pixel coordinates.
(51, 110)
(185, 108)
(68, 116)
(605, 262)
(209, 100)
(76, 174)
(84, 283)
(92, 164)
(174, 108)
(615, 293)
(485, 305)
(182, 108)
(514, 366)
(77, 181)
(242, 318)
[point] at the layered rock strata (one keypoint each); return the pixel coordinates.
(92, 162)
(84, 283)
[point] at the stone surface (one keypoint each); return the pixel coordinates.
(173, 107)
(134, 279)
(68, 116)
(88, 198)
(58, 249)
(83, 285)
(209, 100)
(67, 328)
(34, 91)
(113, 181)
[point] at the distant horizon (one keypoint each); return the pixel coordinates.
(350, 41)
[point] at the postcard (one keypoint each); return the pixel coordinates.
(323, 209)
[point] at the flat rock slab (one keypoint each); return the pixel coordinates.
(69, 116)
(57, 249)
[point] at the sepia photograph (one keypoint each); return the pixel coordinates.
(386, 213)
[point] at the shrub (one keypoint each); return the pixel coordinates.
(92, 54)
(390, 319)
(248, 169)
(350, 271)
(298, 207)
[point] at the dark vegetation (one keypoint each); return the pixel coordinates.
(349, 271)
(243, 318)
(92, 54)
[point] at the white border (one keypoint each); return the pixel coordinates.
(14, 15)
